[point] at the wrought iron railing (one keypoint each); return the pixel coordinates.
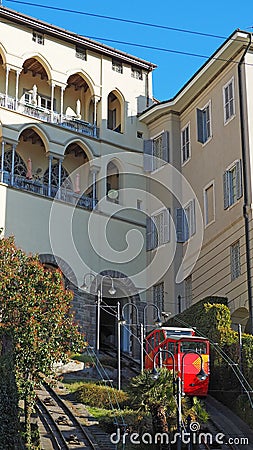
(35, 186)
(71, 123)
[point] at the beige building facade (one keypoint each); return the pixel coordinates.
(110, 187)
(209, 122)
(71, 156)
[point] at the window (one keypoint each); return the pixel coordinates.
(38, 37)
(136, 73)
(193, 346)
(185, 143)
(186, 222)
(139, 204)
(44, 102)
(114, 113)
(158, 298)
(156, 152)
(158, 229)
(117, 66)
(228, 101)
(235, 260)
(232, 181)
(112, 182)
(190, 217)
(41, 101)
(139, 135)
(81, 53)
(112, 119)
(204, 123)
(209, 203)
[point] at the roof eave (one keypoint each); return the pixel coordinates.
(69, 36)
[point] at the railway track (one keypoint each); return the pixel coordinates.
(65, 430)
(213, 439)
(130, 363)
(225, 429)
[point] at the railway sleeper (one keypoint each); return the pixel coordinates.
(73, 439)
(62, 420)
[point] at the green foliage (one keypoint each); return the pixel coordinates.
(109, 419)
(244, 410)
(100, 396)
(9, 423)
(146, 392)
(157, 397)
(212, 318)
(35, 310)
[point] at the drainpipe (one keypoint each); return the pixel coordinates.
(246, 205)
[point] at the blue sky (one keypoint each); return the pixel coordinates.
(174, 70)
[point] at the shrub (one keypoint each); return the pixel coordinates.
(101, 396)
(109, 420)
(211, 317)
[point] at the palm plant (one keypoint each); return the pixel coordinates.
(157, 398)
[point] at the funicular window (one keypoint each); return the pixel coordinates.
(152, 342)
(149, 347)
(157, 340)
(193, 346)
(166, 348)
(162, 337)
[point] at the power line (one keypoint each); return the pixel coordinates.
(119, 19)
(134, 44)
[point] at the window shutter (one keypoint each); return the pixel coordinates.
(200, 125)
(150, 234)
(148, 155)
(165, 146)
(226, 189)
(181, 225)
(238, 179)
(166, 225)
(193, 218)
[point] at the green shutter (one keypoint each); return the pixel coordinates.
(181, 225)
(200, 125)
(238, 179)
(148, 155)
(151, 234)
(226, 189)
(165, 146)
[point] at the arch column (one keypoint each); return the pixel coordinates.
(59, 178)
(2, 161)
(52, 102)
(7, 71)
(50, 159)
(13, 163)
(94, 171)
(62, 101)
(96, 99)
(16, 90)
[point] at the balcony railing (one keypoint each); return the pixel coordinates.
(72, 123)
(63, 194)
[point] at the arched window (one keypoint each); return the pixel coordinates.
(114, 113)
(65, 179)
(112, 182)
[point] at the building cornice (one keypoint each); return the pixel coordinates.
(75, 39)
(227, 53)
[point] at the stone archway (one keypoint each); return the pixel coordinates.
(56, 261)
(125, 293)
